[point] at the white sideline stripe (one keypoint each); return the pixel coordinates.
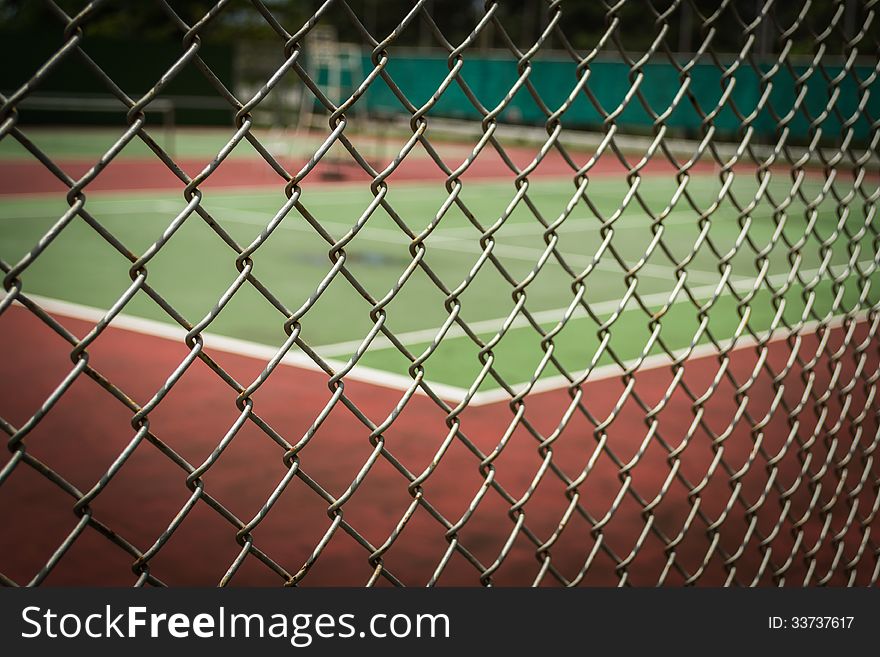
(657, 361)
(339, 190)
(457, 243)
(459, 235)
(589, 224)
(121, 206)
(553, 315)
(488, 325)
(450, 394)
(436, 240)
(238, 347)
(573, 224)
(325, 195)
(446, 242)
(439, 237)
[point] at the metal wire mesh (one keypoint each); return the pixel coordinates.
(755, 521)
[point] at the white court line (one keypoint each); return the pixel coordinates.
(325, 194)
(252, 218)
(229, 345)
(445, 239)
(451, 394)
(576, 225)
(441, 240)
(128, 206)
(553, 315)
(590, 224)
(656, 361)
(493, 325)
(411, 337)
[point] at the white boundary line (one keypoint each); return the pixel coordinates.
(451, 394)
(552, 315)
(383, 378)
(656, 361)
(443, 240)
(354, 187)
(235, 346)
(452, 239)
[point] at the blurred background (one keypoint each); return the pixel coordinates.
(243, 49)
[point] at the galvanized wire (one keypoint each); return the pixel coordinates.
(852, 473)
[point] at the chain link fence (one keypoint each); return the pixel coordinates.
(761, 470)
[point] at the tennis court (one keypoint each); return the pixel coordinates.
(595, 312)
(551, 236)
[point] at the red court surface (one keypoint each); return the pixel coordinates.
(811, 532)
(151, 174)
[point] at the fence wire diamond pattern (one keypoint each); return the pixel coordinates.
(815, 526)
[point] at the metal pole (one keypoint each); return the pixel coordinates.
(763, 31)
(685, 27)
(849, 19)
(424, 32)
(372, 17)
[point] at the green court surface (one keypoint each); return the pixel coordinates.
(835, 251)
